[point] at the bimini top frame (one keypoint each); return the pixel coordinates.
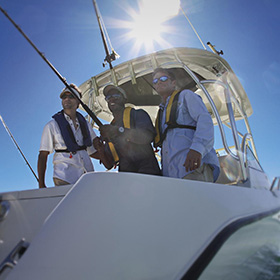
(201, 71)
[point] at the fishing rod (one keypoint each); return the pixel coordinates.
(15, 142)
(87, 109)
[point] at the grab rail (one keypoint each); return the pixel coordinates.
(217, 116)
(14, 256)
(276, 181)
(239, 155)
(243, 145)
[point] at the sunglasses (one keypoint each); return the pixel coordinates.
(67, 95)
(114, 95)
(162, 79)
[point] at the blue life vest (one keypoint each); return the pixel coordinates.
(67, 133)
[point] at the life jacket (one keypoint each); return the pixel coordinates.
(127, 123)
(67, 133)
(170, 119)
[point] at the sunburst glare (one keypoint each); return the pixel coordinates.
(147, 24)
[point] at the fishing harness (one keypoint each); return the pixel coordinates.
(170, 119)
(127, 123)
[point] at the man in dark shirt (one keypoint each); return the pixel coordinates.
(129, 136)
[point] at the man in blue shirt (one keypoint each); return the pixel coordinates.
(185, 132)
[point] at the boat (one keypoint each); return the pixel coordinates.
(111, 225)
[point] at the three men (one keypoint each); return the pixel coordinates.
(185, 132)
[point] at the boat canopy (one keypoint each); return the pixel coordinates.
(193, 68)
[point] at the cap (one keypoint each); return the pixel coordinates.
(75, 90)
(111, 87)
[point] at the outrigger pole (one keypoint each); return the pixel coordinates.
(15, 142)
(109, 57)
(87, 109)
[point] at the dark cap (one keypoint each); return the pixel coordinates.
(112, 87)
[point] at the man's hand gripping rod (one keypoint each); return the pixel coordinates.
(87, 109)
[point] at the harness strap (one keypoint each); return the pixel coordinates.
(80, 148)
(170, 119)
(126, 124)
(126, 117)
(171, 126)
(157, 141)
(114, 152)
(172, 108)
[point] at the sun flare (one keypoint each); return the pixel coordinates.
(147, 25)
(146, 30)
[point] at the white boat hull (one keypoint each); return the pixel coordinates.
(133, 226)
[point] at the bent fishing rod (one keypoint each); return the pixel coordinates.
(15, 142)
(87, 109)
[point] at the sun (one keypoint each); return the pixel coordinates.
(146, 30)
(147, 24)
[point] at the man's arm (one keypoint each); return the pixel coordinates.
(203, 139)
(106, 160)
(41, 167)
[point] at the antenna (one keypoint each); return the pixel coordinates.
(193, 28)
(208, 43)
(13, 139)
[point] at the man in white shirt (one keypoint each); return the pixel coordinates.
(185, 132)
(70, 136)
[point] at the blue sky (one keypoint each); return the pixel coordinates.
(67, 33)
